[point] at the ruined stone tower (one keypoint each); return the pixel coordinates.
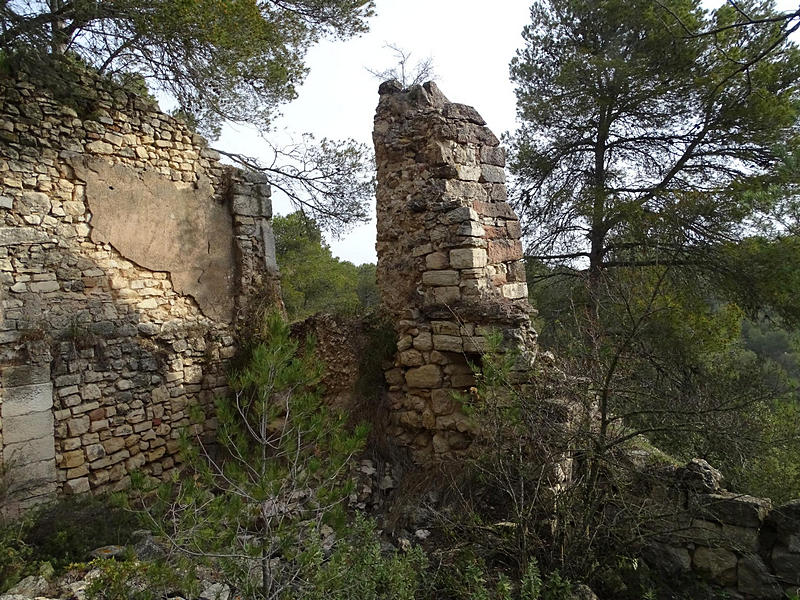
(450, 264)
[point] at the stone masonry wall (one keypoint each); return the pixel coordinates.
(449, 259)
(735, 541)
(128, 253)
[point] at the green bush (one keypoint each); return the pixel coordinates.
(358, 569)
(130, 579)
(68, 529)
(15, 553)
(60, 533)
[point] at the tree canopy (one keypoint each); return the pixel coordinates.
(220, 59)
(644, 144)
(312, 279)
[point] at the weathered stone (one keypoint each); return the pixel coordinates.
(78, 426)
(16, 236)
(700, 476)
(442, 402)
(447, 343)
(667, 559)
(457, 215)
(423, 341)
(440, 278)
(72, 459)
(25, 399)
(437, 260)
(411, 358)
(514, 291)
(718, 564)
(446, 295)
(30, 451)
(786, 565)
(504, 250)
(754, 579)
(493, 174)
(734, 509)
(26, 427)
(493, 156)
(77, 486)
(428, 376)
(468, 258)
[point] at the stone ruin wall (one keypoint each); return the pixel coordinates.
(127, 254)
(450, 271)
(450, 264)
(738, 542)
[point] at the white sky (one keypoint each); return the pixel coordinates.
(471, 43)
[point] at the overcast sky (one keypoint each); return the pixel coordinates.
(471, 43)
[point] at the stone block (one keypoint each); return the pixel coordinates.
(423, 341)
(394, 377)
(95, 452)
(135, 462)
(70, 460)
(471, 229)
(446, 295)
(410, 358)
(28, 427)
(468, 258)
(500, 251)
(437, 260)
(494, 210)
(43, 287)
(493, 155)
(460, 215)
(671, 560)
(30, 451)
(26, 399)
(440, 278)
(786, 518)
(17, 375)
(99, 147)
(515, 291)
(78, 426)
(427, 376)
(445, 328)
(755, 580)
(786, 565)
(442, 402)
(475, 343)
(34, 476)
(493, 174)
(467, 172)
(193, 374)
(464, 190)
(733, 509)
(76, 486)
(16, 236)
(252, 205)
(718, 564)
(447, 343)
(440, 445)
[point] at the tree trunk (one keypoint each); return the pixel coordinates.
(58, 35)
